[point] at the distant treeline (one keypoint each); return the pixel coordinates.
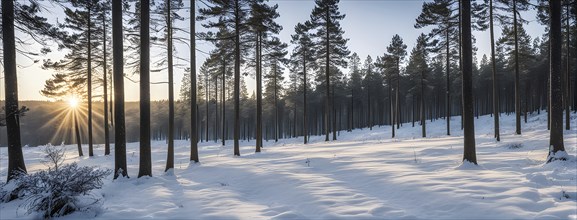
(47, 122)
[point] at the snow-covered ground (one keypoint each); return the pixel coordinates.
(365, 174)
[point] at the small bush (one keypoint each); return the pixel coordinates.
(57, 192)
(54, 157)
(513, 146)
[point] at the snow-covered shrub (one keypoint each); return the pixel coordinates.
(9, 191)
(515, 146)
(58, 192)
(54, 157)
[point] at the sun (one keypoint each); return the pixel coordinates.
(73, 102)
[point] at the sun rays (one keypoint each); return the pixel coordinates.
(63, 116)
(73, 102)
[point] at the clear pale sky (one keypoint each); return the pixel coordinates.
(369, 24)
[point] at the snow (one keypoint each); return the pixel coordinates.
(363, 175)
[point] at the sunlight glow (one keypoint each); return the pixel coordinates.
(73, 102)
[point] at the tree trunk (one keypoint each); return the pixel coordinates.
(469, 153)
(89, 81)
(193, 102)
(305, 122)
(11, 111)
(517, 83)
(207, 102)
(276, 128)
(105, 88)
(118, 73)
(423, 128)
(567, 78)
(294, 133)
(216, 113)
(223, 103)
(170, 153)
(77, 132)
(334, 116)
(369, 109)
(327, 78)
(237, 78)
(145, 165)
(448, 117)
(494, 74)
(555, 88)
(351, 113)
(258, 94)
(392, 115)
(397, 101)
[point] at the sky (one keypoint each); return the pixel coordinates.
(369, 25)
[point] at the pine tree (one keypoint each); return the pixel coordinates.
(515, 7)
(469, 153)
(397, 51)
(372, 83)
(494, 72)
(193, 86)
(355, 86)
(30, 26)
(440, 14)
(118, 75)
(231, 14)
(145, 165)
(82, 43)
(389, 66)
(301, 60)
(105, 78)
(169, 12)
(331, 46)
(417, 70)
(262, 25)
(556, 146)
(275, 61)
(15, 157)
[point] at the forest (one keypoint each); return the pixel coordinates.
(311, 87)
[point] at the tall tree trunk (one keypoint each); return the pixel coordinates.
(111, 100)
(216, 113)
(258, 94)
(207, 102)
(327, 78)
(223, 103)
(118, 73)
(517, 83)
(145, 165)
(237, 12)
(448, 117)
(334, 116)
(567, 76)
(469, 153)
(494, 74)
(397, 101)
(305, 122)
(89, 80)
(11, 110)
(105, 88)
(555, 87)
(193, 102)
(460, 61)
(351, 112)
(369, 109)
(294, 133)
(77, 132)
(392, 115)
(276, 128)
(423, 128)
(170, 153)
